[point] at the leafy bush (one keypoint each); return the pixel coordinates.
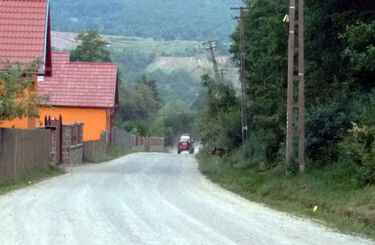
(359, 147)
(219, 124)
(325, 127)
(254, 151)
(223, 131)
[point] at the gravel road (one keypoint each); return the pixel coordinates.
(148, 199)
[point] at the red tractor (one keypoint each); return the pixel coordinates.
(185, 144)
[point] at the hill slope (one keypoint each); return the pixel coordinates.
(175, 65)
(167, 19)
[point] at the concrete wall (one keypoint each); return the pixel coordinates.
(23, 151)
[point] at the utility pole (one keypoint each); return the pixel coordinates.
(242, 74)
(301, 88)
(221, 74)
(300, 82)
(211, 47)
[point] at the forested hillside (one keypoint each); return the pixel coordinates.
(167, 19)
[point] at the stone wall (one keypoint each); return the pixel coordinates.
(72, 143)
(139, 144)
(55, 126)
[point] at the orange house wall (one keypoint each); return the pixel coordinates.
(16, 123)
(94, 120)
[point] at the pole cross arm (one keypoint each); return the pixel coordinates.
(239, 8)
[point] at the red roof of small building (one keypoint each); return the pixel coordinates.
(80, 84)
(24, 32)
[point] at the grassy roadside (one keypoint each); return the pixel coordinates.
(30, 178)
(341, 205)
(110, 154)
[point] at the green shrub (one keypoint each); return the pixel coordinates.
(261, 150)
(325, 127)
(359, 147)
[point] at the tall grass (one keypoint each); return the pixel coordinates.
(111, 153)
(342, 202)
(29, 178)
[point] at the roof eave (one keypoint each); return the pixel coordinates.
(45, 40)
(83, 107)
(115, 97)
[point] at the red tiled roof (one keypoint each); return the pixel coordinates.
(80, 84)
(23, 30)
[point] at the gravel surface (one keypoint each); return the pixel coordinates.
(148, 199)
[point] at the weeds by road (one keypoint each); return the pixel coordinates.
(111, 153)
(338, 203)
(28, 179)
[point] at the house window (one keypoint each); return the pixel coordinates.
(40, 78)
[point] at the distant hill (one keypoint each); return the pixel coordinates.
(159, 19)
(195, 66)
(175, 65)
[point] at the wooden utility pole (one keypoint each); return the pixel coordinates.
(300, 82)
(211, 46)
(242, 74)
(221, 74)
(301, 88)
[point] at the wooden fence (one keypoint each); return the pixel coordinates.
(123, 139)
(23, 151)
(94, 147)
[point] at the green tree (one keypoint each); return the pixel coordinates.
(92, 48)
(137, 102)
(339, 71)
(139, 105)
(177, 121)
(266, 67)
(152, 85)
(15, 101)
(219, 123)
(359, 52)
